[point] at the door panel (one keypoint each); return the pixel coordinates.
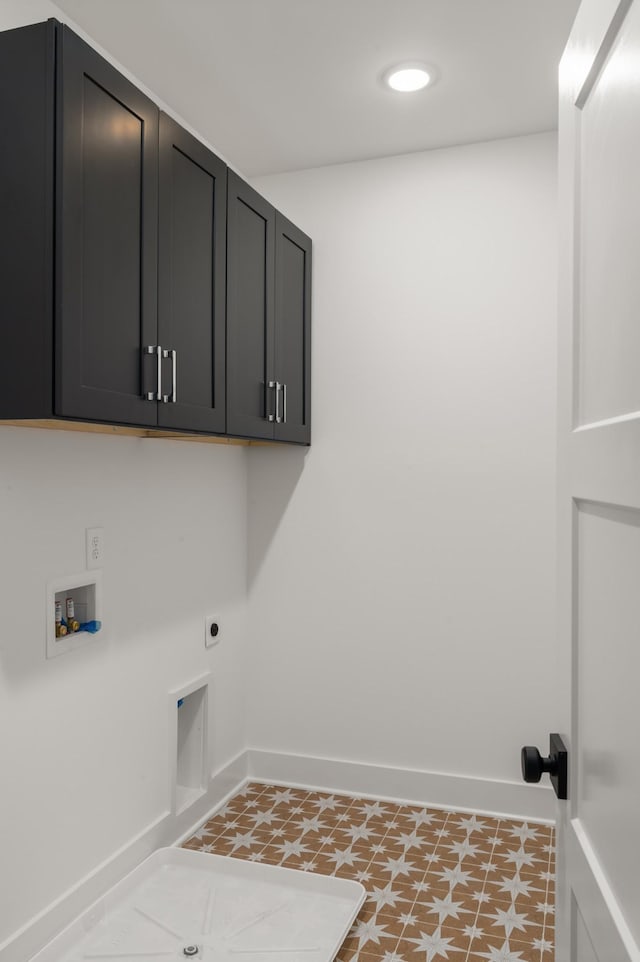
(584, 949)
(191, 307)
(591, 907)
(106, 227)
(607, 666)
(293, 330)
(598, 483)
(250, 306)
(609, 234)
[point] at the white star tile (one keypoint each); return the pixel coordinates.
(481, 897)
(524, 832)
(420, 885)
(543, 944)
(373, 809)
(369, 932)
(464, 849)
(383, 896)
(470, 824)
(422, 817)
(446, 908)
(314, 824)
(501, 954)
(408, 919)
(345, 856)
(435, 945)
(242, 840)
(408, 840)
(398, 866)
(263, 818)
(292, 848)
(519, 858)
(517, 886)
(546, 907)
(456, 876)
(326, 804)
(511, 920)
(356, 832)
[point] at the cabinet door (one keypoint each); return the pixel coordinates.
(293, 332)
(250, 306)
(27, 112)
(191, 281)
(106, 271)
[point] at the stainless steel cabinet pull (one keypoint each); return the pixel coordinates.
(278, 389)
(284, 403)
(166, 398)
(157, 350)
(271, 385)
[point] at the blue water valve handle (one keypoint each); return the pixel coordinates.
(91, 626)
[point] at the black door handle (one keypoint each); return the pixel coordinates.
(555, 764)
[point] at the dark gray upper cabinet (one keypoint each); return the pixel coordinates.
(191, 284)
(250, 310)
(106, 243)
(27, 120)
(141, 283)
(268, 320)
(292, 331)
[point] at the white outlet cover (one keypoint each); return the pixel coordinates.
(95, 547)
(209, 640)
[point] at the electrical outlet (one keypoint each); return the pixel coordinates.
(211, 631)
(95, 547)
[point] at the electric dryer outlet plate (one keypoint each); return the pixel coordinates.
(211, 630)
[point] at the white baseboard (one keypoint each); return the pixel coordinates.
(458, 792)
(168, 829)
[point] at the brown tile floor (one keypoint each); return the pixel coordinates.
(440, 885)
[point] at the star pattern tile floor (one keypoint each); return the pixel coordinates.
(440, 885)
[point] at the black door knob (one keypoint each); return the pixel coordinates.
(534, 765)
(555, 764)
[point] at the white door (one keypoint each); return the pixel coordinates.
(599, 492)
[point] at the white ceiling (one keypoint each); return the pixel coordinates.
(280, 85)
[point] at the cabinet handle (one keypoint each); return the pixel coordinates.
(272, 417)
(284, 403)
(174, 374)
(157, 350)
(278, 389)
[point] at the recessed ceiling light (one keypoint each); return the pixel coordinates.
(408, 77)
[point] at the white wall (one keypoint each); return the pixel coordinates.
(84, 738)
(401, 586)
